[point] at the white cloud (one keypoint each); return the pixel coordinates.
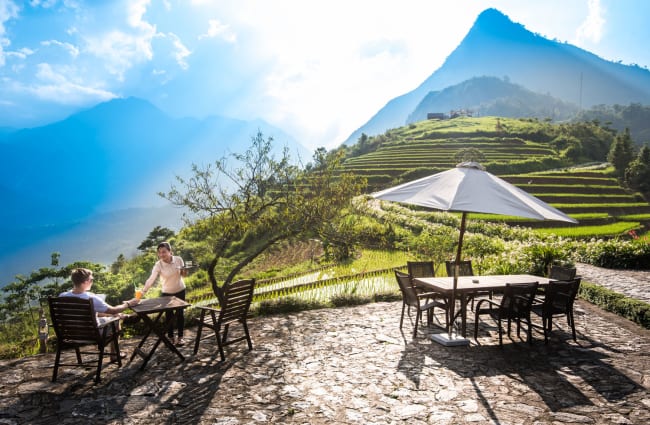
(180, 51)
(42, 3)
(591, 28)
(21, 53)
(122, 48)
(73, 50)
(56, 86)
(217, 29)
(8, 10)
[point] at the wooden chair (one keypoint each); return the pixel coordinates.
(558, 300)
(515, 304)
(236, 301)
(75, 325)
(465, 269)
(421, 301)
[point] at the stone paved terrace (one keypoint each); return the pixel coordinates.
(354, 366)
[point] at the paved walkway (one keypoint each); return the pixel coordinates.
(632, 283)
(354, 366)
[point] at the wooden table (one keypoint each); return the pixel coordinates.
(156, 307)
(468, 285)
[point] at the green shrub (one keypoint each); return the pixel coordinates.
(631, 309)
(616, 254)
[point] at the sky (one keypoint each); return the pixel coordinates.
(317, 69)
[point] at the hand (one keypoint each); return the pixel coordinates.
(134, 301)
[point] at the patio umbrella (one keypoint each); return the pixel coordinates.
(469, 188)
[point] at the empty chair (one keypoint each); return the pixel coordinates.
(421, 301)
(421, 269)
(235, 303)
(515, 304)
(562, 273)
(75, 325)
(464, 268)
(558, 300)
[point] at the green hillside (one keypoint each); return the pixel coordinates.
(539, 157)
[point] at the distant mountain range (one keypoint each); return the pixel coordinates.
(481, 96)
(497, 47)
(113, 157)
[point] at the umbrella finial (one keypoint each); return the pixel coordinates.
(470, 164)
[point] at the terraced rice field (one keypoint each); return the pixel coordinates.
(593, 196)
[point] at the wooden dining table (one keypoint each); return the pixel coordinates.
(468, 285)
(151, 311)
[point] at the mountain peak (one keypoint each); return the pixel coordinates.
(492, 22)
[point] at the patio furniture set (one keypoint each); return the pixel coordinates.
(76, 326)
(520, 297)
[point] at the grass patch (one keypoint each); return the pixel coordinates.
(582, 232)
(639, 217)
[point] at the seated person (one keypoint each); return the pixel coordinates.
(82, 281)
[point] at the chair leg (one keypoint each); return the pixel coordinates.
(417, 320)
(501, 331)
(545, 327)
(217, 333)
(98, 375)
(198, 332)
(401, 320)
(248, 337)
(572, 324)
(530, 330)
(57, 359)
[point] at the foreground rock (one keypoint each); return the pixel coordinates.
(351, 366)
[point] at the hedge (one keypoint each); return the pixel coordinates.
(629, 308)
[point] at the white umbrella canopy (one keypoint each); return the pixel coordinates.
(469, 188)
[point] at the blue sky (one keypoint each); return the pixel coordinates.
(317, 69)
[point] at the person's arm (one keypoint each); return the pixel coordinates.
(183, 269)
(121, 307)
(152, 278)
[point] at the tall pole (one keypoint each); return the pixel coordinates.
(459, 250)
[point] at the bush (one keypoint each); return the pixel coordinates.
(616, 254)
(631, 309)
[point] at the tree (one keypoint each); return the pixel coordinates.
(621, 152)
(241, 212)
(637, 174)
(157, 235)
(469, 154)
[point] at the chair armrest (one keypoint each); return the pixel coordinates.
(429, 295)
(485, 300)
(106, 320)
(216, 310)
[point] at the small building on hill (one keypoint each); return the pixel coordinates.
(436, 116)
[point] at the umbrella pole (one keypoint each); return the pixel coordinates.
(459, 250)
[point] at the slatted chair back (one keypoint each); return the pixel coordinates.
(464, 269)
(75, 325)
(421, 269)
(559, 298)
(562, 273)
(234, 308)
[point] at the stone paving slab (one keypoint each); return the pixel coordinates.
(354, 366)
